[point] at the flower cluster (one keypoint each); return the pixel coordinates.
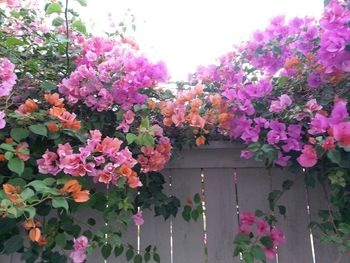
(7, 77)
(257, 228)
(78, 255)
(102, 159)
(109, 75)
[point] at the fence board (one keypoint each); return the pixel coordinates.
(156, 231)
(295, 226)
(188, 237)
(221, 214)
(324, 253)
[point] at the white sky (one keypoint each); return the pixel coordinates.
(188, 33)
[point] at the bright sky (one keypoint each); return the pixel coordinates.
(188, 33)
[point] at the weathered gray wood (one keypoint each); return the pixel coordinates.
(156, 231)
(295, 226)
(221, 214)
(188, 237)
(325, 253)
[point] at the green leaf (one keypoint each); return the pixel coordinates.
(61, 240)
(266, 241)
(19, 134)
(82, 2)
(12, 245)
(156, 257)
(145, 123)
(287, 184)
(282, 210)
(9, 155)
(259, 213)
(12, 41)
(147, 139)
(334, 156)
(49, 181)
(248, 257)
(38, 185)
(60, 202)
(79, 25)
(27, 193)
(130, 138)
(7, 147)
(39, 129)
(129, 254)
(16, 165)
(186, 214)
(115, 238)
(242, 239)
(106, 251)
(197, 198)
(138, 259)
(195, 215)
(118, 250)
(147, 256)
(258, 253)
(58, 21)
(53, 8)
(30, 212)
(47, 85)
(91, 221)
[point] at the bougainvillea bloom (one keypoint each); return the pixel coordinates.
(308, 158)
(341, 133)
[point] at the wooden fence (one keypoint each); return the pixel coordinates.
(209, 170)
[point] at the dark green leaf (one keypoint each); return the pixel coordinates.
(258, 253)
(138, 259)
(60, 202)
(156, 257)
(16, 165)
(39, 129)
(129, 254)
(197, 198)
(19, 134)
(106, 251)
(118, 250)
(12, 245)
(266, 241)
(48, 85)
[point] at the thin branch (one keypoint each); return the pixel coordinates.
(67, 36)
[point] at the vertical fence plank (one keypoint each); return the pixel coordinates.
(221, 214)
(156, 231)
(188, 237)
(325, 253)
(295, 226)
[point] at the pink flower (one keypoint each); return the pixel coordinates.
(312, 105)
(341, 133)
(270, 253)
(7, 76)
(247, 154)
(278, 105)
(328, 143)
(23, 151)
(339, 112)
(48, 164)
(308, 158)
(78, 255)
(277, 236)
(2, 120)
(247, 218)
(138, 219)
(262, 226)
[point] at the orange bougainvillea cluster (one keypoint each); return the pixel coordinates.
(33, 226)
(75, 189)
(197, 109)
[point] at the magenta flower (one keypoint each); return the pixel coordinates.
(341, 133)
(279, 105)
(262, 227)
(247, 154)
(7, 77)
(247, 218)
(2, 120)
(308, 158)
(270, 253)
(78, 255)
(138, 218)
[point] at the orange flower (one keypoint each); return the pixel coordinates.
(29, 106)
(42, 241)
(29, 224)
(52, 127)
(216, 100)
(167, 112)
(199, 89)
(81, 196)
(125, 171)
(291, 62)
(54, 100)
(2, 158)
(195, 104)
(9, 140)
(134, 181)
(35, 234)
(10, 189)
(56, 111)
(68, 121)
(151, 104)
(167, 121)
(71, 186)
(200, 140)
